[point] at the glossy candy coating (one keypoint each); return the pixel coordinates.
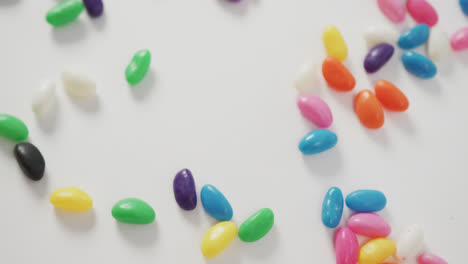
(64, 12)
(422, 12)
(44, 98)
(94, 7)
(438, 45)
(409, 243)
(375, 35)
(337, 75)
(138, 67)
(390, 96)
(464, 6)
(215, 203)
(418, 65)
(394, 10)
(346, 246)
(257, 225)
(30, 160)
(366, 201)
(376, 251)
(369, 225)
(332, 207)
(317, 141)
(377, 57)
(414, 37)
(369, 110)
(133, 211)
(218, 238)
(13, 128)
(78, 84)
(184, 190)
(71, 198)
(315, 110)
(334, 43)
(459, 40)
(428, 258)
(306, 78)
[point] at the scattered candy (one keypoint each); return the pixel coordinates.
(133, 211)
(409, 243)
(393, 10)
(315, 110)
(428, 258)
(218, 238)
(71, 198)
(64, 12)
(438, 45)
(306, 78)
(369, 110)
(376, 251)
(334, 43)
(44, 98)
(78, 85)
(257, 225)
(375, 35)
(30, 160)
(459, 40)
(337, 75)
(414, 37)
(215, 203)
(366, 201)
(94, 7)
(464, 6)
(346, 246)
(317, 141)
(369, 225)
(377, 57)
(419, 65)
(13, 128)
(422, 12)
(184, 190)
(138, 67)
(390, 96)
(332, 207)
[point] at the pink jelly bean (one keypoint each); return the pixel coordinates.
(370, 225)
(422, 12)
(315, 109)
(346, 246)
(459, 40)
(393, 10)
(428, 258)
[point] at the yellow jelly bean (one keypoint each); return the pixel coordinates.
(71, 198)
(218, 238)
(334, 43)
(376, 251)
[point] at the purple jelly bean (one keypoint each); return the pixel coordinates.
(377, 57)
(94, 7)
(184, 190)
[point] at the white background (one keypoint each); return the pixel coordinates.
(219, 100)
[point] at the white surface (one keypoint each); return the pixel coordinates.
(220, 100)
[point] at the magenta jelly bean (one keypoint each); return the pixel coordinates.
(369, 225)
(315, 109)
(94, 7)
(346, 246)
(393, 9)
(459, 40)
(422, 12)
(428, 258)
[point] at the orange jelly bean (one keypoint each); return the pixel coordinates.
(390, 96)
(369, 110)
(337, 75)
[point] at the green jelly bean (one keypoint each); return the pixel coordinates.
(64, 12)
(133, 211)
(13, 128)
(257, 225)
(138, 67)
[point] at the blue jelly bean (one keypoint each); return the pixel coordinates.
(366, 201)
(317, 141)
(464, 6)
(414, 37)
(419, 65)
(332, 207)
(215, 203)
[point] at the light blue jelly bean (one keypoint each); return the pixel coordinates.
(414, 37)
(464, 6)
(215, 203)
(332, 207)
(366, 201)
(419, 65)
(317, 141)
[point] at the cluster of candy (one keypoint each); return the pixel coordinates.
(69, 10)
(367, 223)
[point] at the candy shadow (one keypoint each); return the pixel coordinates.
(461, 56)
(48, 121)
(99, 22)
(390, 71)
(88, 105)
(432, 86)
(327, 163)
(39, 188)
(194, 216)
(402, 121)
(143, 90)
(237, 9)
(7, 147)
(7, 3)
(379, 136)
(139, 235)
(266, 246)
(76, 221)
(229, 256)
(70, 33)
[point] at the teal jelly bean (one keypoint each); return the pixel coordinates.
(138, 67)
(332, 207)
(64, 12)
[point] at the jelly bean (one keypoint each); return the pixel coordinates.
(133, 211)
(78, 85)
(464, 6)
(306, 78)
(334, 43)
(394, 10)
(94, 7)
(332, 207)
(315, 109)
(369, 110)
(346, 246)
(409, 243)
(44, 98)
(218, 238)
(317, 141)
(428, 258)
(376, 251)
(377, 57)
(375, 35)
(215, 203)
(419, 65)
(390, 96)
(138, 67)
(438, 45)
(257, 225)
(184, 190)
(30, 160)
(337, 75)
(459, 40)
(64, 12)
(422, 12)
(414, 37)
(13, 128)
(366, 201)
(71, 198)
(369, 225)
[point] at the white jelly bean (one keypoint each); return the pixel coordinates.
(43, 98)
(438, 45)
(306, 77)
(78, 85)
(380, 34)
(410, 242)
